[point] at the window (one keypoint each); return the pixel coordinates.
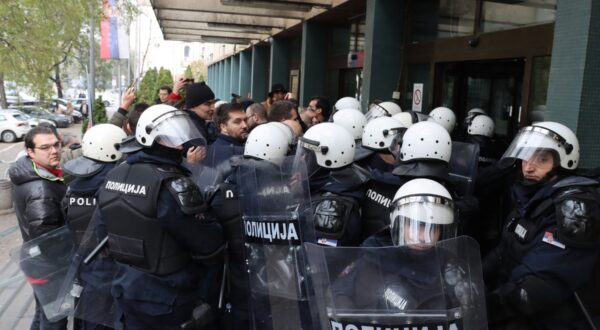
(454, 18)
(500, 15)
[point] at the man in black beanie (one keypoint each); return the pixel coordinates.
(200, 102)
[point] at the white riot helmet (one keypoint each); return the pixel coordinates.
(443, 116)
(422, 212)
(405, 118)
(383, 109)
(347, 102)
(267, 142)
(219, 103)
(102, 142)
(326, 145)
(532, 142)
(352, 120)
(426, 140)
(380, 133)
(475, 111)
(168, 126)
(481, 124)
(100, 145)
(287, 131)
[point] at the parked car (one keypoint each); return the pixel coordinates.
(77, 116)
(39, 112)
(13, 125)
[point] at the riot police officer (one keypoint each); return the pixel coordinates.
(544, 272)
(162, 241)
(443, 116)
(425, 153)
(100, 148)
(380, 137)
(415, 278)
(269, 143)
(336, 186)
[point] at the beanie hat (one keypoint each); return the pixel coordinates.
(196, 94)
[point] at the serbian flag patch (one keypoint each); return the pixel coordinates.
(549, 238)
(114, 40)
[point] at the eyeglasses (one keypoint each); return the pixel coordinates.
(57, 146)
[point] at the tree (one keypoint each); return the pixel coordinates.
(36, 38)
(165, 78)
(98, 114)
(198, 70)
(147, 93)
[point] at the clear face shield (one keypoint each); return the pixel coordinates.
(535, 145)
(376, 111)
(396, 144)
(420, 220)
(175, 129)
(306, 151)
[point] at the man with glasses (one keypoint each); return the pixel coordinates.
(38, 190)
(318, 111)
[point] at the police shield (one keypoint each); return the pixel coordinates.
(462, 167)
(276, 219)
(45, 261)
(409, 287)
(89, 279)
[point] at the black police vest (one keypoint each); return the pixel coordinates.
(128, 202)
(79, 211)
(337, 219)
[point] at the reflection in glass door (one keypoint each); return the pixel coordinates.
(494, 86)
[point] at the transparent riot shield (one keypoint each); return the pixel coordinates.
(426, 287)
(45, 261)
(462, 167)
(89, 279)
(276, 219)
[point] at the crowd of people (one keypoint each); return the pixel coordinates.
(197, 213)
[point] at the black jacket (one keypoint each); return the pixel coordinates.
(37, 195)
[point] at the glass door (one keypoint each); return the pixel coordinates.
(494, 86)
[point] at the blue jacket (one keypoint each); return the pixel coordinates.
(222, 149)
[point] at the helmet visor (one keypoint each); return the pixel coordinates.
(396, 143)
(174, 129)
(421, 220)
(535, 145)
(306, 152)
(376, 111)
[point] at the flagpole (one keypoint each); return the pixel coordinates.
(92, 67)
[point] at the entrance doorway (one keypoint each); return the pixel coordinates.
(494, 86)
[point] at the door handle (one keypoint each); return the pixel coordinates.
(519, 118)
(510, 110)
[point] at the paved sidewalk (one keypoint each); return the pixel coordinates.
(16, 296)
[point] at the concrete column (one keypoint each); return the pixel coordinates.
(235, 74)
(259, 80)
(215, 88)
(227, 78)
(221, 79)
(279, 63)
(383, 49)
(573, 97)
(313, 62)
(245, 72)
